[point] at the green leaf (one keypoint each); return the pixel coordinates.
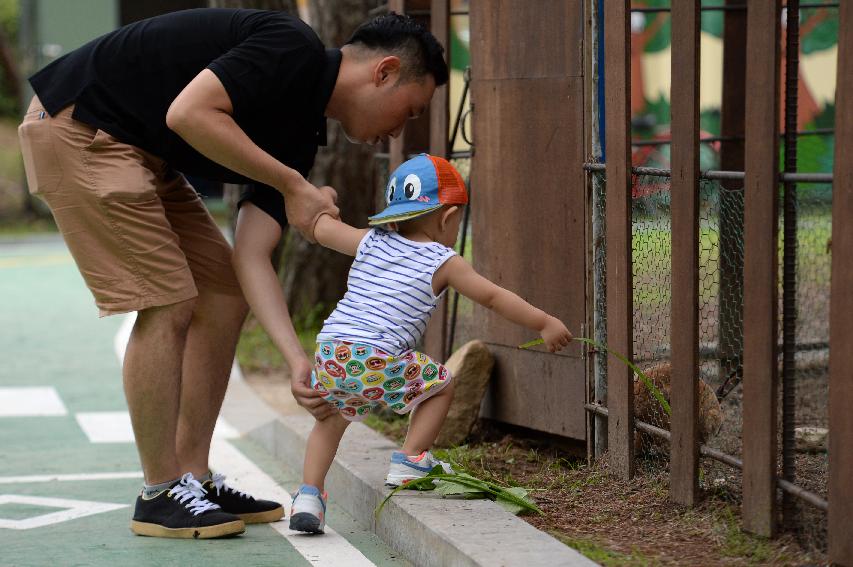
(532, 343)
(511, 506)
(450, 488)
(472, 487)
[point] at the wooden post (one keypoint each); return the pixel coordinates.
(684, 446)
(617, 100)
(761, 212)
(841, 307)
(436, 332)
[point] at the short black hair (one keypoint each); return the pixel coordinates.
(408, 39)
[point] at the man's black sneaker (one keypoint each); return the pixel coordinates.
(182, 512)
(241, 504)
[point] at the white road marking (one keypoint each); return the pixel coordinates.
(30, 402)
(330, 549)
(68, 477)
(73, 509)
(115, 427)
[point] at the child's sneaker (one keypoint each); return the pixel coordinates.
(182, 512)
(237, 502)
(404, 468)
(308, 512)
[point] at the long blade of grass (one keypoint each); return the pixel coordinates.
(643, 378)
(410, 485)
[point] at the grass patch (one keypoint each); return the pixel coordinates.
(602, 555)
(257, 353)
(22, 227)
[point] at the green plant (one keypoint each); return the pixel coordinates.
(513, 498)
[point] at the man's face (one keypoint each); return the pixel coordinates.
(381, 109)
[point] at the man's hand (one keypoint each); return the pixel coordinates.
(555, 334)
(306, 396)
(304, 204)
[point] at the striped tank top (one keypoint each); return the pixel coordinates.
(389, 297)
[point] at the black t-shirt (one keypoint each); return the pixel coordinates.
(275, 69)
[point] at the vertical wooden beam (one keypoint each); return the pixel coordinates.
(841, 307)
(684, 446)
(761, 212)
(617, 100)
(436, 332)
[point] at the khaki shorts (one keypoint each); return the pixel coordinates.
(136, 228)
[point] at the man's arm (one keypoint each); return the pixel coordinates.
(338, 235)
(461, 276)
(256, 237)
(201, 114)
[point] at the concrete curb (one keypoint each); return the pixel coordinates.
(427, 530)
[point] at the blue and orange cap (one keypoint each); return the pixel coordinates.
(419, 186)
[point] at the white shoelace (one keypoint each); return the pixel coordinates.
(190, 493)
(219, 483)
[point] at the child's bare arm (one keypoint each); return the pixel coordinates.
(461, 276)
(337, 235)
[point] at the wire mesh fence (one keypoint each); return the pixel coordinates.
(721, 260)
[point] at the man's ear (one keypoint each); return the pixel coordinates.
(445, 216)
(387, 70)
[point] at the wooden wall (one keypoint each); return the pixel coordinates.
(529, 205)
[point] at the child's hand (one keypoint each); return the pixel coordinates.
(555, 334)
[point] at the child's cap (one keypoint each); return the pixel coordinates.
(420, 186)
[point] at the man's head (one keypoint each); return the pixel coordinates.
(390, 69)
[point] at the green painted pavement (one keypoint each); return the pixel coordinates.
(52, 336)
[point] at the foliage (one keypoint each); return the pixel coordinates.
(9, 27)
(825, 33)
(513, 498)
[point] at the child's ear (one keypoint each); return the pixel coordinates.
(446, 214)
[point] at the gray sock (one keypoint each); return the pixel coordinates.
(152, 490)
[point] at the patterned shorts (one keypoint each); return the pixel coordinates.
(358, 379)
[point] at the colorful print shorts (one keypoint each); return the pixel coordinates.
(358, 379)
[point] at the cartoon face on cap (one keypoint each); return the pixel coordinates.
(405, 188)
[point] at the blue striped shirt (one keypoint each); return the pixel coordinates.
(389, 297)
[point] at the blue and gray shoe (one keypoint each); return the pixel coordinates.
(405, 468)
(308, 512)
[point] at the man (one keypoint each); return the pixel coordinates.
(238, 96)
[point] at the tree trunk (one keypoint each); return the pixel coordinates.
(314, 277)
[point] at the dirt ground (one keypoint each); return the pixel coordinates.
(611, 521)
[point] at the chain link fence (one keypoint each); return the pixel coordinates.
(721, 258)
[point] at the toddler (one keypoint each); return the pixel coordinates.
(365, 359)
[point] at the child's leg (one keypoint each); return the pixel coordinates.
(322, 446)
(426, 422)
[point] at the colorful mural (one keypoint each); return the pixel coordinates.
(651, 79)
